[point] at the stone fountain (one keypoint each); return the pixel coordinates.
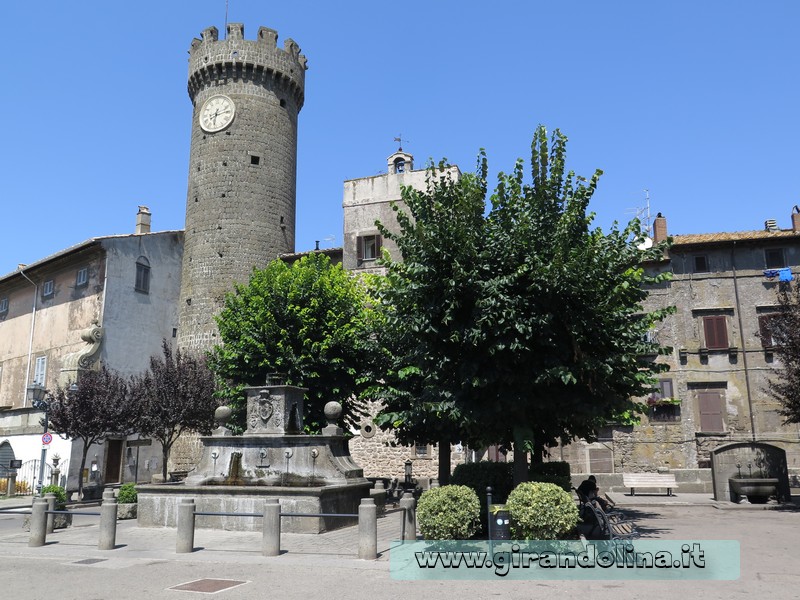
(272, 459)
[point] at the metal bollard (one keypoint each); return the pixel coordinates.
(38, 523)
(367, 529)
(51, 518)
(272, 528)
(409, 506)
(108, 521)
(185, 542)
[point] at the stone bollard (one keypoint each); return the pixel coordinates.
(185, 541)
(38, 523)
(272, 528)
(11, 489)
(108, 521)
(51, 518)
(434, 484)
(367, 529)
(378, 493)
(409, 506)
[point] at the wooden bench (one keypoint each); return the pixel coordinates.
(649, 480)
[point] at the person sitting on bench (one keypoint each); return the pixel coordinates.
(589, 490)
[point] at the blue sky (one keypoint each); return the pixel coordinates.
(695, 101)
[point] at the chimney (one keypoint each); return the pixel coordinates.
(796, 218)
(659, 228)
(143, 220)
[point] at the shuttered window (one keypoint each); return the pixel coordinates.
(710, 406)
(40, 370)
(368, 247)
(716, 331)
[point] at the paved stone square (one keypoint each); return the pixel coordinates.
(144, 564)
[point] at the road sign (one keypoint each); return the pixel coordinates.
(47, 438)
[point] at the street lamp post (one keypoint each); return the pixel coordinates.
(37, 396)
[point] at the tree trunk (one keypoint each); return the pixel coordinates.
(520, 458)
(165, 457)
(444, 462)
(537, 456)
(80, 470)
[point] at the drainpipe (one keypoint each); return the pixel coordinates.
(744, 349)
(30, 340)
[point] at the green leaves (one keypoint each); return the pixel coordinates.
(522, 316)
(309, 320)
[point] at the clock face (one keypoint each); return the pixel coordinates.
(217, 113)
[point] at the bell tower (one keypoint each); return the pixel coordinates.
(240, 204)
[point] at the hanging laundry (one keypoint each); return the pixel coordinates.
(771, 273)
(785, 274)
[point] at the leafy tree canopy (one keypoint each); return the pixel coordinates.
(101, 405)
(784, 329)
(174, 395)
(521, 324)
(306, 320)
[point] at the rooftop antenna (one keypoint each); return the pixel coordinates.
(643, 213)
(399, 140)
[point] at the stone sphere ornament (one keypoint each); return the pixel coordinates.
(333, 410)
(222, 415)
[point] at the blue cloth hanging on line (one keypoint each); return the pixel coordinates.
(785, 274)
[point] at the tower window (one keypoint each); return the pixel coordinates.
(48, 289)
(82, 277)
(142, 275)
(368, 248)
(283, 103)
(400, 165)
(255, 160)
(3, 305)
(40, 370)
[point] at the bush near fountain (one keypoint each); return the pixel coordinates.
(272, 459)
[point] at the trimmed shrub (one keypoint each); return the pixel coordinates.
(450, 512)
(60, 492)
(127, 494)
(541, 511)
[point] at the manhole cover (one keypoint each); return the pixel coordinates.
(208, 586)
(89, 561)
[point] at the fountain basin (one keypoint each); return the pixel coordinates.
(158, 505)
(758, 490)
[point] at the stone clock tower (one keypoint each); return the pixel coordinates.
(240, 205)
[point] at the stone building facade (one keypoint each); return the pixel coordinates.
(109, 300)
(724, 289)
(240, 204)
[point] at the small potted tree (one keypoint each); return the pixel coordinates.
(127, 501)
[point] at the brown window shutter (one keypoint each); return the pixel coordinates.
(378, 245)
(716, 331)
(710, 405)
(359, 249)
(722, 332)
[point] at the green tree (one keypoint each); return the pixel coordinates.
(102, 405)
(307, 320)
(784, 330)
(174, 395)
(529, 327)
(429, 297)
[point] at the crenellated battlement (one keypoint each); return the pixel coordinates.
(235, 58)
